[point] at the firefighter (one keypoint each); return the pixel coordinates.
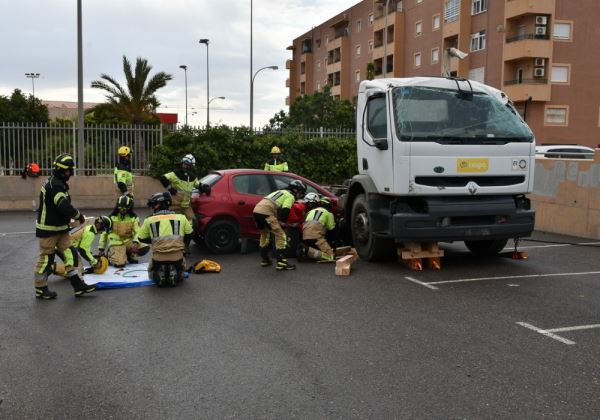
(277, 162)
(123, 244)
(180, 183)
(293, 226)
(123, 174)
(319, 227)
(52, 228)
(268, 214)
(166, 231)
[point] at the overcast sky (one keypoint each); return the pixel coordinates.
(41, 36)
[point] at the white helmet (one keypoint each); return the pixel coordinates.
(189, 159)
(312, 198)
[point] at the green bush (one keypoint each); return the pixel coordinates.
(328, 160)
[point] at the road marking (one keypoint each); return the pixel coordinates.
(546, 333)
(16, 233)
(511, 248)
(576, 328)
(428, 285)
(585, 273)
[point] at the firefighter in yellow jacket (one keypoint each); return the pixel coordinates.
(166, 231)
(122, 242)
(52, 228)
(318, 227)
(123, 174)
(277, 162)
(268, 214)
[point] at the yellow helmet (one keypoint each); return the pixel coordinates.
(206, 266)
(275, 150)
(102, 265)
(124, 151)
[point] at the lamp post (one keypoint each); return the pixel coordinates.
(184, 67)
(385, 24)
(216, 97)
(32, 76)
(205, 42)
(252, 93)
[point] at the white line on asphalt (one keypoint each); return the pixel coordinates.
(16, 233)
(576, 328)
(546, 333)
(585, 273)
(428, 285)
(510, 248)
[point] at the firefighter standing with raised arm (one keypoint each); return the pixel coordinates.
(52, 228)
(123, 174)
(166, 231)
(268, 214)
(276, 163)
(318, 227)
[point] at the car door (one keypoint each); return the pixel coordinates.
(246, 191)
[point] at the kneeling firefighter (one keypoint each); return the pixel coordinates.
(166, 231)
(318, 227)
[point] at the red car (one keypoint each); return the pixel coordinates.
(225, 215)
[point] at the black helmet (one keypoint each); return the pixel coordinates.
(64, 161)
(125, 202)
(105, 222)
(161, 198)
(298, 186)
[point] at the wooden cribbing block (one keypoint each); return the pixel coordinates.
(417, 250)
(343, 265)
(343, 250)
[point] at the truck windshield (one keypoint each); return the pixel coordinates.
(447, 116)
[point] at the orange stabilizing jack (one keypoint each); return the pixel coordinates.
(413, 253)
(519, 255)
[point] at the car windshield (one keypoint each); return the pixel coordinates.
(449, 116)
(210, 179)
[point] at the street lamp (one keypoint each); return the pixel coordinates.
(252, 93)
(184, 67)
(212, 99)
(32, 76)
(205, 41)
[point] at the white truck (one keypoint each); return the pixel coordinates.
(440, 159)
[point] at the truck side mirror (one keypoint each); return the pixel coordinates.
(381, 144)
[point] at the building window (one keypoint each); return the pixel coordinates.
(371, 19)
(418, 1)
(478, 41)
(556, 115)
(318, 43)
(435, 22)
(451, 10)
(477, 74)
(358, 50)
(418, 28)
(562, 30)
(318, 86)
(370, 45)
(560, 73)
(435, 55)
(319, 65)
(357, 75)
(358, 25)
(479, 6)
(418, 59)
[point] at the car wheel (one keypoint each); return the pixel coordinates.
(486, 248)
(222, 236)
(367, 245)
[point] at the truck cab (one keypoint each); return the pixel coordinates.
(439, 159)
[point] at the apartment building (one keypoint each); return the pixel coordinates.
(542, 53)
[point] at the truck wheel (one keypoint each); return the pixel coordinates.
(222, 236)
(486, 248)
(367, 245)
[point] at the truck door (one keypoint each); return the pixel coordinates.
(374, 143)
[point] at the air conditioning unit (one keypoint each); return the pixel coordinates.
(539, 62)
(541, 20)
(540, 30)
(539, 72)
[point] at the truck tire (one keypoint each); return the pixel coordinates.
(366, 244)
(486, 248)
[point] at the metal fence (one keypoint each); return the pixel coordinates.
(21, 144)
(308, 134)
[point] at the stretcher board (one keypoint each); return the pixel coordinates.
(132, 275)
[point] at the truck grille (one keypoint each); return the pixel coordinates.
(462, 181)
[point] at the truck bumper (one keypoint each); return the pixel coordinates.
(464, 219)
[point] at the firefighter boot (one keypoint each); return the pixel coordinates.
(44, 293)
(282, 262)
(80, 287)
(265, 261)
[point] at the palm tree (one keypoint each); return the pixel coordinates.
(136, 104)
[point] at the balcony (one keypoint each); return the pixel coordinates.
(527, 45)
(378, 51)
(514, 8)
(334, 43)
(539, 89)
(287, 82)
(287, 100)
(288, 64)
(379, 21)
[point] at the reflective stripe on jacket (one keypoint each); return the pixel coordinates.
(124, 229)
(55, 210)
(184, 186)
(322, 216)
(166, 230)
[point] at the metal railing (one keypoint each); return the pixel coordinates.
(308, 133)
(21, 144)
(521, 37)
(538, 81)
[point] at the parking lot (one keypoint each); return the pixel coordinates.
(482, 338)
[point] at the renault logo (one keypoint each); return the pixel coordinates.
(472, 187)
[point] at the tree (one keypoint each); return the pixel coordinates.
(136, 102)
(317, 110)
(370, 70)
(18, 108)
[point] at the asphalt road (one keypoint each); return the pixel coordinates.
(251, 342)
